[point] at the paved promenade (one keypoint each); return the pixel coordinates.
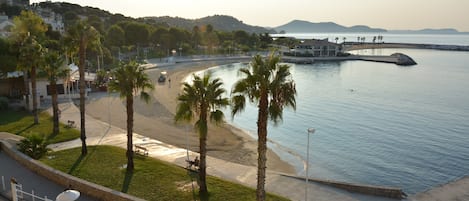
(101, 133)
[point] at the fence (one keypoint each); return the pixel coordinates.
(17, 192)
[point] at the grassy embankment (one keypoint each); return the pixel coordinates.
(22, 123)
(152, 179)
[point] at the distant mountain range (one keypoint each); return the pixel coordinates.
(219, 22)
(229, 23)
(300, 26)
(428, 31)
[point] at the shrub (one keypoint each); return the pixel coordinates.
(3, 103)
(34, 146)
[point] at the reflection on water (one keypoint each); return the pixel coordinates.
(376, 123)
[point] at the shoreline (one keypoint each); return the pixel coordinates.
(155, 120)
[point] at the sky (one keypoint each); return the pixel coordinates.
(387, 14)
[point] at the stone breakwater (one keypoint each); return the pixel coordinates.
(348, 46)
(396, 58)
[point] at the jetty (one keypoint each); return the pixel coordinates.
(396, 58)
(348, 46)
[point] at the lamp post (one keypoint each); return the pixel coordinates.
(310, 131)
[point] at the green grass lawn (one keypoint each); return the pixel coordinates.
(22, 123)
(152, 179)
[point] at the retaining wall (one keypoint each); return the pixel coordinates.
(390, 192)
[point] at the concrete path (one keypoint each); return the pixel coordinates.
(101, 133)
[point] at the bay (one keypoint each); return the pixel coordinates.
(376, 123)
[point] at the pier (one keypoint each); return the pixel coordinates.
(348, 46)
(396, 58)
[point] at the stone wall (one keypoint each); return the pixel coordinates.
(395, 193)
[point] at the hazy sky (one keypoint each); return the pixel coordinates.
(388, 14)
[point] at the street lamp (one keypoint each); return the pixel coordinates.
(310, 131)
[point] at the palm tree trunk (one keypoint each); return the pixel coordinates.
(203, 150)
(26, 89)
(261, 146)
(130, 125)
(203, 164)
(34, 91)
(81, 69)
(55, 107)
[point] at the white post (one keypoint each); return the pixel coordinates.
(3, 183)
(14, 195)
(32, 195)
(310, 131)
(187, 143)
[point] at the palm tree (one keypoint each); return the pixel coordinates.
(336, 39)
(54, 68)
(29, 29)
(80, 36)
(129, 80)
(30, 55)
(269, 85)
(203, 98)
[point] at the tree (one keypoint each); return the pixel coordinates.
(28, 31)
(115, 36)
(54, 67)
(136, 33)
(336, 39)
(80, 36)
(203, 99)
(195, 36)
(269, 85)
(130, 79)
(8, 58)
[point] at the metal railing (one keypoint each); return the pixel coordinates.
(17, 192)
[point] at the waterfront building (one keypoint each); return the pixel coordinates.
(317, 48)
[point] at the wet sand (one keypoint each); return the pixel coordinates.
(156, 120)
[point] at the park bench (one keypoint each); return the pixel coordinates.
(70, 124)
(194, 163)
(141, 149)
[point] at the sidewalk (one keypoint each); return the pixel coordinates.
(101, 133)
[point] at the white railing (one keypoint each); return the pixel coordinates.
(18, 193)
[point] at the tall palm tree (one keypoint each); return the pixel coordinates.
(30, 55)
(27, 33)
(203, 99)
(269, 85)
(54, 67)
(82, 35)
(129, 80)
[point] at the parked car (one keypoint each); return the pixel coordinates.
(163, 76)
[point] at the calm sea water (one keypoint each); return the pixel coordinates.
(375, 123)
(441, 39)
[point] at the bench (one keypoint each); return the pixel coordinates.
(194, 163)
(70, 124)
(141, 149)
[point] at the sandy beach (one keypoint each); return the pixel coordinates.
(156, 120)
